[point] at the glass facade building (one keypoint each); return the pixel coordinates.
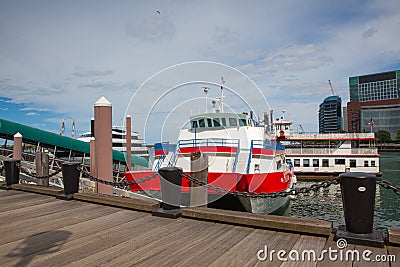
(384, 118)
(330, 115)
(374, 97)
(379, 86)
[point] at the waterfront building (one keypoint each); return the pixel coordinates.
(374, 103)
(330, 115)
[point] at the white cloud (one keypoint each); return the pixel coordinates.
(32, 114)
(33, 109)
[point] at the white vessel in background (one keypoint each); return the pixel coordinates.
(318, 155)
(138, 146)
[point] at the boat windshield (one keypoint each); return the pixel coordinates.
(219, 120)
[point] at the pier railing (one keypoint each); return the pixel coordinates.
(331, 151)
(332, 136)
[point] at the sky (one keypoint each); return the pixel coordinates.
(57, 58)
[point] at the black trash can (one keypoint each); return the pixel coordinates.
(358, 196)
(71, 175)
(171, 183)
(12, 168)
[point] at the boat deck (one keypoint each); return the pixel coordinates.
(40, 230)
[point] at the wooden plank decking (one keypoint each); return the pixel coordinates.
(39, 230)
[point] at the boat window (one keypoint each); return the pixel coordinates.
(194, 124)
(223, 120)
(315, 163)
(353, 163)
(242, 122)
(306, 163)
(216, 122)
(340, 161)
(372, 163)
(278, 164)
(232, 122)
(117, 144)
(257, 168)
(366, 163)
(297, 162)
(325, 162)
(201, 123)
(209, 122)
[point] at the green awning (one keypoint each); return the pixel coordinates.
(29, 134)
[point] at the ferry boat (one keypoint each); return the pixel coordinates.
(138, 146)
(321, 155)
(241, 158)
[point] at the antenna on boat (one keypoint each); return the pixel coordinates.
(206, 89)
(214, 107)
(222, 94)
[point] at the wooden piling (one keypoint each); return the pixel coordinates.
(128, 142)
(42, 167)
(199, 170)
(17, 150)
(103, 144)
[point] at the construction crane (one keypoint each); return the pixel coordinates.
(331, 87)
(301, 129)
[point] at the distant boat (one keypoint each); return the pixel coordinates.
(138, 146)
(327, 154)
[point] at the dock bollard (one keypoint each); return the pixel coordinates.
(12, 170)
(358, 197)
(70, 175)
(170, 182)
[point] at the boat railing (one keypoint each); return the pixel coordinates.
(172, 159)
(331, 151)
(159, 162)
(236, 158)
(332, 136)
(220, 142)
(209, 142)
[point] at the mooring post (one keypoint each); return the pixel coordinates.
(170, 182)
(93, 159)
(42, 167)
(129, 142)
(17, 150)
(12, 169)
(358, 197)
(199, 170)
(70, 173)
(103, 144)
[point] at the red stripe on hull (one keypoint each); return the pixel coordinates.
(208, 149)
(260, 151)
(257, 183)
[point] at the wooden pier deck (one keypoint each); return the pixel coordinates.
(40, 230)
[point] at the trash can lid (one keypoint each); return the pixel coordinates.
(71, 163)
(170, 169)
(358, 175)
(10, 160)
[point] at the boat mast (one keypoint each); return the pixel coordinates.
(206, 89)
(222, 95)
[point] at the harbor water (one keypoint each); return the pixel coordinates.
(326, 203)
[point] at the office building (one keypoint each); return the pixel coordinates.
(374, 103)
(330, 115)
